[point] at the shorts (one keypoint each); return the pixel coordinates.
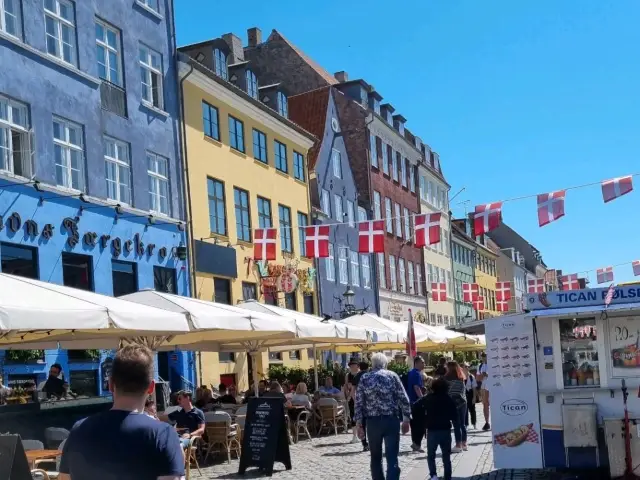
(184, 442)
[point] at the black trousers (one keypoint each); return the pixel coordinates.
(471, 406)
(417, 426)
(352, 412)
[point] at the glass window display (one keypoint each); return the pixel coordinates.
(580, 365)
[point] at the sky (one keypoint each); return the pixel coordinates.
(518, 98)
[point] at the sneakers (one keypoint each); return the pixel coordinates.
(416, 448)
(456, 450)
(465, 447)
(434, 477)
(474, 426)
(355, 440)
(486, 427)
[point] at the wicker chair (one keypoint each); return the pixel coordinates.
(38, 474)
(301, 425)
(330, 415)
(191, 456)
(223, 434)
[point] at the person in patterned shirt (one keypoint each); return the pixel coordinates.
(379, 398)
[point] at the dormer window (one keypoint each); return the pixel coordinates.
(389, 118)
(376, 106)
(252, 84)
(220, 64)
(283, 108)
(401, 128)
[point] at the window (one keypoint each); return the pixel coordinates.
(343, 268)
(382, 271)
(281, 156)
(164, 280)
(439, 319)
(423, 188)
(226, 357)
(355, 269)
(10, 21)
(385, 158)
(412, 179)
(388, 215)
(275, 356)
(337, 200)
(394, 164)
(298, 166)
(418, 279)
(125, 277)
(398, 216)
(217, 211)
(403, 171)
(411, 283)
(151, 76)
(118, 170)
(330, 265)
(59, 19)
(377, 207)
(432, 318)
(432, 194)
(152, 4)
(158, 171)
(69, 154)
(283, 108)
(362, 214)
(236, 134)
(407, 224)
(294, 354)
(252, 84)
(19, 260)
(325, 202)
(108, 51)
(366, 271)
(309, 306)
(285, 228)
(211, 121)
(243, 215)
(15, 148)
(302, 222)
(336, 161)
(77, 271)
(264, 213)
(351, 214)
(249, 291)
(373, 151)
(449, 285)
(222, 291)
(220, 66)
(392, 272)
(260, 146)
(290, 301)
(402, 275)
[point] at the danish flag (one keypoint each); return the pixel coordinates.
(616, 187)
(487, 217)
(316, 239)
(478, 304)
(503, 291)
(636, 267)
(502, 306)
(265, 244)
(371, 236)
(427, 223)
(439, 292)
(570, 282)
(536, 285)
(469, 292)
(550, 207)
(604, 275)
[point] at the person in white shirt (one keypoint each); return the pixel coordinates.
(483, 377)
(471, 386)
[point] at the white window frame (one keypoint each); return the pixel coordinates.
(147, 3)
(402, 275)
(220, 58)
(17, 18)
(325, 202)
(385, 158)
(394, 165)
(343, 267)
(403, 171)
(418, 280)
(377, 206)
(373, 150)
(150, 70)
(411, 281)
(12, 127)
(431, 193)
(362, 215)
(156, 178)
(330, 265)
(118, 162)
(388, 210)
(450, 291)
(67, 147)
(423, 188)
(337, 203)
(103, 43)
(59, 21)
(336, 162)
(398, 214)
(366, 271)
(392, 273)
(412, 178)
(407, 224)
(382, 270)
(355, 268)
(252, 83)
(351, 214)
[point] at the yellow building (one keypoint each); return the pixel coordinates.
(486, 278)
(245, 169)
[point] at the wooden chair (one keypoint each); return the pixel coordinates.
(330, 414)
(191, 456)
(38, 474)
(52, 475)
(222, 433)
(301, 425)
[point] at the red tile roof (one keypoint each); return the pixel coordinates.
(309, 110)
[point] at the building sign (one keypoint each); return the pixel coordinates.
(581, 298)
(288, 282)
(270, 276)
(395, 309)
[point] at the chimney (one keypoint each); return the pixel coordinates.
(235, 45)
(254, 36)
(341, 76)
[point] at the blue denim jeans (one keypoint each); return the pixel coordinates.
(460, 428)
(384, 429)
(442, 439)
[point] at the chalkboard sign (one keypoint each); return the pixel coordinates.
(13, 460)
(265, 436)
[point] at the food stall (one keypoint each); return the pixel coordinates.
(556, 378)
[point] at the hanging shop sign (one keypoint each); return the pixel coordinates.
(287, 282)
(271, 274)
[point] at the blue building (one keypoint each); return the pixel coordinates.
(90, 174)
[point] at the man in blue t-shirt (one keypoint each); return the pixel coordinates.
(189, 420)
(415, 392)
(124, 443)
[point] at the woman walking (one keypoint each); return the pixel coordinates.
(471, 386)
(457, 391)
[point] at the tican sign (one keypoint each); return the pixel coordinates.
(582, 298)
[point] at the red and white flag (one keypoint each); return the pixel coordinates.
(487, 217)
(478, 304)
(616, 187)
(264, 244)
(609, 297)
(536, 285)
(427, 226)
(550, 207)
(412, 348)
(604, 275)
(469, 292)
(503, 291)
(316, 239)
(636, 267)
(502, 306)
(371, 236)
(439, 292)
(570, 282)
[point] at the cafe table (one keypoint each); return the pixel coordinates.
(34, 455)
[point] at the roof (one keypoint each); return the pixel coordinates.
(310, 110)
(506, 237)
(457, 231)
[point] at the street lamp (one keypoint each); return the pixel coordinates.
(348, 297)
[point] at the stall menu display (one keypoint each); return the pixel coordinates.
(513, 388)
(624, 342)
(265, 436)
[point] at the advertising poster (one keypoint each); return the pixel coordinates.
(513, 392)
(624, 342)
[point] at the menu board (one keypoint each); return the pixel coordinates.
(624, 345)
(513, 392)
(265, 436)
(13, 459)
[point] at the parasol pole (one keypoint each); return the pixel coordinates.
(315, 366)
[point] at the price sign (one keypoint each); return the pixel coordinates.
(624, 341)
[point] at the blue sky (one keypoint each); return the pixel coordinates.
(518, 98)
